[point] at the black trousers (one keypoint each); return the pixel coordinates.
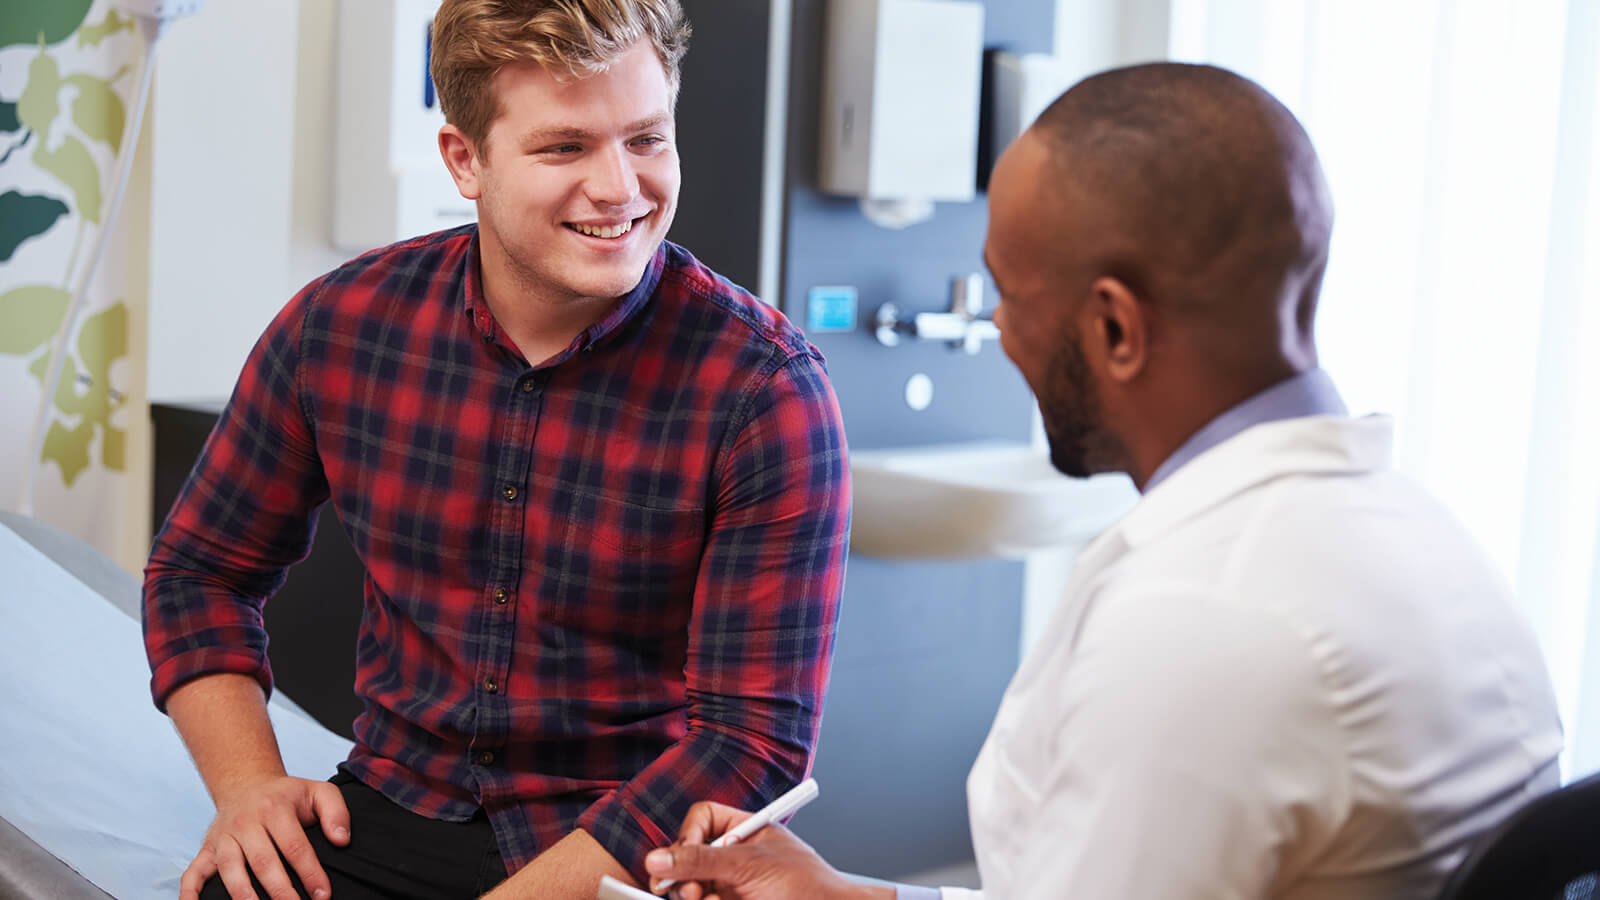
(395, 853)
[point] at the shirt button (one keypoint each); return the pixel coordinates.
(527, 385)
(486, 758)
(500, 595)
(491, 687)
(509, 492)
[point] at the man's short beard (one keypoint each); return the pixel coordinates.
(1074, 423)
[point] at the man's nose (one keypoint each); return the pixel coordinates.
(612, 180)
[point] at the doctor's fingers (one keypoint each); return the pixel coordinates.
(706, 821)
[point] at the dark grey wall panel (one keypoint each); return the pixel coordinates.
(924, 650)
(830, 242)
(923, 656)
(720, 139)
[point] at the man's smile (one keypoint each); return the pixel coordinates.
(605, 230)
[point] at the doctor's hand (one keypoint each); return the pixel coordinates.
(257, 822)
(771, 864)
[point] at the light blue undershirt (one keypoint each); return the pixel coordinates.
(1310, 393)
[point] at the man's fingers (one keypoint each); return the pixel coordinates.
(232, 869)
(327, 806)
(261, 854)
(200, 870)
(290, 837)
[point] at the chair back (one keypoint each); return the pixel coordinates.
(1547, 850)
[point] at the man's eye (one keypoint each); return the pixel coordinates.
(562, 149)
(648, 141)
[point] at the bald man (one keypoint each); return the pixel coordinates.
(1287, 672)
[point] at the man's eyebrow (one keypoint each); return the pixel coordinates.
(540, 135)
(649, 122)
(573, 133)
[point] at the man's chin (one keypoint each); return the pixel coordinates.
(616, 281)
(1070, 466)
(1072, 458)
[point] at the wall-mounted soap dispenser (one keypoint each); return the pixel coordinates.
(900, 91)
(390, 183)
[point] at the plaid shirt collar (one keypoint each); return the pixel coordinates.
(610, 326)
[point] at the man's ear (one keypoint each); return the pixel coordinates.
(461, 158)
(1118, 329)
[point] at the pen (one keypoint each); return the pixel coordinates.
(800, 795)
(612, 889)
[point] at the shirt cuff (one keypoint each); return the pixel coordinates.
(912, 892)
(623, 835)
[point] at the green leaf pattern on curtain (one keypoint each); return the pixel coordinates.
(92, 35)
(77, 121)
(98, 110)
(32, 314)
(23, 216)
(52, 21)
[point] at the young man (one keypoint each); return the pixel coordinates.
(600, 493)
(1287, 673)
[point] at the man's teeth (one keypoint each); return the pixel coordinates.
(605, 231)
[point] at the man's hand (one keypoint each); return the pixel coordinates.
(771, 864)
(254, 824)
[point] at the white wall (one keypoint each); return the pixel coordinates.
(241, 213)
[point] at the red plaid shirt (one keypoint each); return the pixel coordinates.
(597, 590)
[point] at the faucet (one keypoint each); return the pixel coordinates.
(963, 327)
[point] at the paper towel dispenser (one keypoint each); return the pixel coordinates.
(1024, 85)
(900, 91)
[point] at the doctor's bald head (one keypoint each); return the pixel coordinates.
(1164, 230)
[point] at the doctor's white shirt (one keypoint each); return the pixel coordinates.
(1287, 673)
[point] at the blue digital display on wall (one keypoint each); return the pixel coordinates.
(831, 308)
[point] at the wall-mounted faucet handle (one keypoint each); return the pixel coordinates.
(966, 295)
(887, 325)
(963, 327)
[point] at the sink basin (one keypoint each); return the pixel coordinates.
(967, 501)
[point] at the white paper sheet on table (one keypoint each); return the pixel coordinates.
(88, 768)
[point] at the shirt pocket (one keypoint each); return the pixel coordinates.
(625, 567)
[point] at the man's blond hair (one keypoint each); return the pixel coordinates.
(473, 39)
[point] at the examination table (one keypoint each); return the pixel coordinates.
(97, 795)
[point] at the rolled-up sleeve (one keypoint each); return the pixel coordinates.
(762, 629)
(242, 518)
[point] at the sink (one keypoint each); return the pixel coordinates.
(969, 501)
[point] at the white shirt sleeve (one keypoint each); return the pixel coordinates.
(1186, 746)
